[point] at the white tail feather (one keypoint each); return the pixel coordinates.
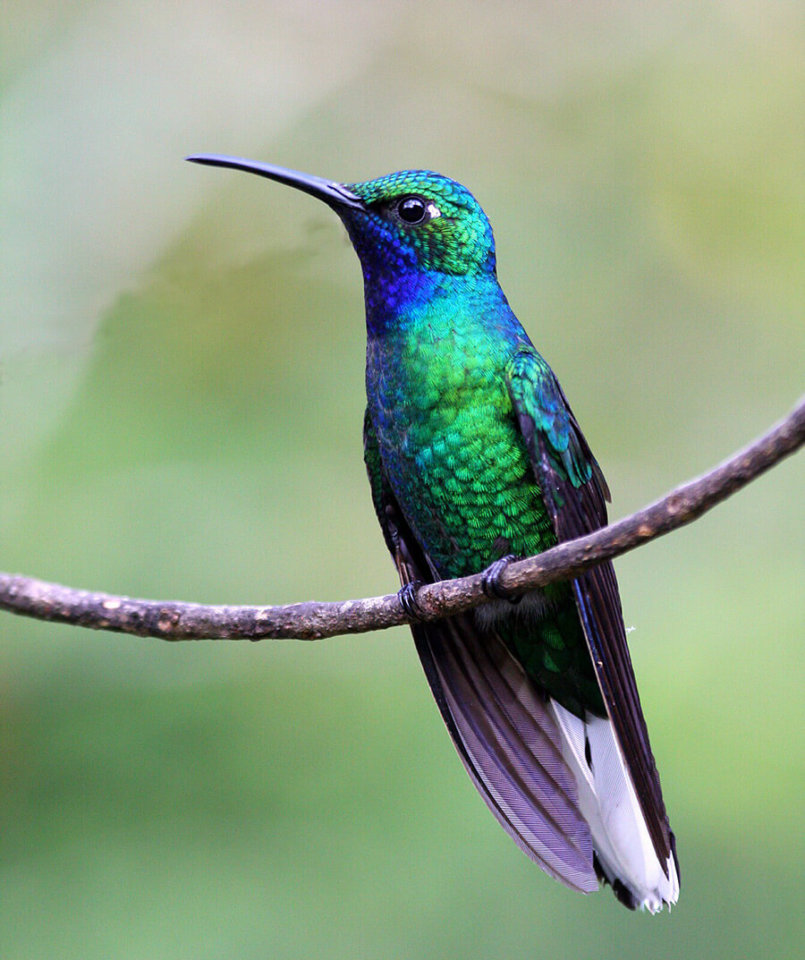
(609, 803)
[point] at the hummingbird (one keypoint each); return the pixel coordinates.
(474, 457)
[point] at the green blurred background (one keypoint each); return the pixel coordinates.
(180, 417)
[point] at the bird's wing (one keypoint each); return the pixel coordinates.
(499, 721)
(575, 492)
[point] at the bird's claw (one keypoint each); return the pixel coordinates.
(408, 601)
(491, 585)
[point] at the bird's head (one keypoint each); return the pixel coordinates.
(424, 220)
(411, 220)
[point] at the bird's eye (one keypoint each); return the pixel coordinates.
(412, 210)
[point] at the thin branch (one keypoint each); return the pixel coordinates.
(312, 621)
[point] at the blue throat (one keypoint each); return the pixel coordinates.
(396, 299)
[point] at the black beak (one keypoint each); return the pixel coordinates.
(333, 194)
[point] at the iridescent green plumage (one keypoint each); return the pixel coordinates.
(440, 401)
(473, 454)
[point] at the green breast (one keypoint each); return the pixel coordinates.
(456, 461)
(452, 450)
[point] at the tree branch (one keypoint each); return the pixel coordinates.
(313, 620)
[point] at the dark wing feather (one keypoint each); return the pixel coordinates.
(575, 493)
(498, 720)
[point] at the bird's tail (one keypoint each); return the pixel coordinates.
(624, 854)
(510, 744)
(557, 784)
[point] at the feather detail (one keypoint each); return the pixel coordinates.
(575, 494)
(624, 850)
(510, 745)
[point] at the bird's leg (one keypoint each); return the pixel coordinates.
(408, 591)
(491, 584)
(408, 601)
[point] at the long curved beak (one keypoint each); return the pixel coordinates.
(334, 194)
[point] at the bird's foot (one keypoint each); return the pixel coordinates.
(491, 584)
(408, 601)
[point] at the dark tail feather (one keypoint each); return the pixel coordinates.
(510, 745)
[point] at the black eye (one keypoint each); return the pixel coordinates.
(412, 210)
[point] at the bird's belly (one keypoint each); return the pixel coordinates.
(461, 475)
